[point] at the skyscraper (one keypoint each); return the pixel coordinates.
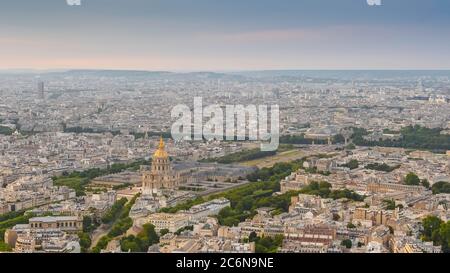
(41, 89)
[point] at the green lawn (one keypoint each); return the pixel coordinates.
(76, 183)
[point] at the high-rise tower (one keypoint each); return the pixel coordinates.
(41, 89)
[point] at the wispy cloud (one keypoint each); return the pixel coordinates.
(17, 41)
(295, 34)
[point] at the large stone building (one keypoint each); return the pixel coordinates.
(379, 187)
(46, 234)
(170, 221)
(65, 223)
(160, 175)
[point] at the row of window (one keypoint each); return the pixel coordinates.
(62, 224)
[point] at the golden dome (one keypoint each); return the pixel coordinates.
(161, 152)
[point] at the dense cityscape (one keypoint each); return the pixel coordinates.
(224, 136)
(88, 163)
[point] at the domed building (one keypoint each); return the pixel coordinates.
(160, 175)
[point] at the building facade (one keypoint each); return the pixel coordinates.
(161, 174)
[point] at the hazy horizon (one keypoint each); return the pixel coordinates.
(62, 70)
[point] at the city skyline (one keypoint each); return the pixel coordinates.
(231, 35)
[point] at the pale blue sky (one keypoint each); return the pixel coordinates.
(225, 34)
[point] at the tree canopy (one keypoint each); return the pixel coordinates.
(412, 179)
(441, 187)
(140, 243)
(438, 231)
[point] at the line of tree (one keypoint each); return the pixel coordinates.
(383, 167)
(80, 130)
(78, 180)
(323, 189)
(151, 134)
(241, 156)
(121, 223)
(6, 130)
(300, 139)
(113, 213)
(415, 137)
(277, 172)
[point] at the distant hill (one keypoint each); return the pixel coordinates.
(115, 73)
(240, 75)
(347, 74)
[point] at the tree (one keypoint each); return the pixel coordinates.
(268, 244)
(87, 222)
(114, 211)
(4, 247)
(425, 183)
(85, 241)
(441, 187)
(230, 222)
(102, 243)
(164, 231)
(444, 232)
(431, 224)
(252, 237)
(412, 179)
(351, 225)
(324, 184)
(225, 212)
(130, 244)
(391, 230)
(148, 235)
(246, 203)
(120, 227)
(438, 231)
(347, 243)
(389, 203)
(142, 241)
(352, 164)
(350, 146)
(336, 217)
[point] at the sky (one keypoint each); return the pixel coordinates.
(222, 35)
